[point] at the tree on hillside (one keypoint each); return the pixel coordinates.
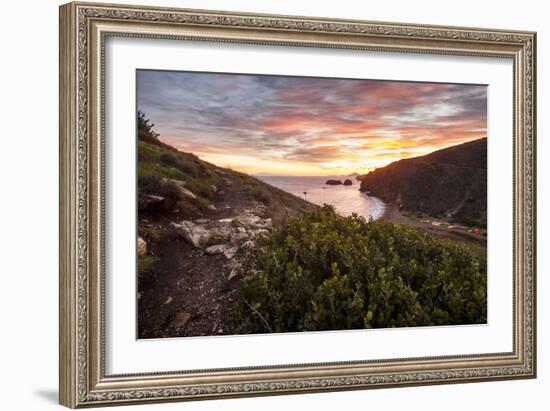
(145, 128)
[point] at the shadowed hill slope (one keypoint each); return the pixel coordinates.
(449, 183)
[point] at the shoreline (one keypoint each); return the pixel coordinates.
(362, 204)
(379, 208)
(390, 212)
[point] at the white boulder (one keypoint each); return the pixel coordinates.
(141, 247)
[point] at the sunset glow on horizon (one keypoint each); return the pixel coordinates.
(281, 125)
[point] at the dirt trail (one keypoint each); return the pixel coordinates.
(189, 291)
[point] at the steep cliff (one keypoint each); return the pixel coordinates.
(449, 183)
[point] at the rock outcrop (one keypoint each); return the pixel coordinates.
(225, 236)
(141, 247)
(182, 190)
(194, 233)
(333, 182)
(149, 201)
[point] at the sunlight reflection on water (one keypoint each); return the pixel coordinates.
(345, 199)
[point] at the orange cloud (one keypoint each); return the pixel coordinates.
(285, 124)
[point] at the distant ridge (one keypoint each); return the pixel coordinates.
(449, 183)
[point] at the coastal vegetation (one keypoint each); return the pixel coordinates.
(326, 272)
(221, 252)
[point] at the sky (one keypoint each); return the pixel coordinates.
(283, 125)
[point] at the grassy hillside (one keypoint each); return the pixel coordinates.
(449, 183)
(196, 221)
(189, 186)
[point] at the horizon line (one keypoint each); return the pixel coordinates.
(321, 175)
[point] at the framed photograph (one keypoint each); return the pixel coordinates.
(259, 204)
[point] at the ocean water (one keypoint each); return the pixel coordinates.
(345, 199)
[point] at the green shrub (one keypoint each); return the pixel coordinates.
(146, 264)
(159, 170)
(325, 272)
(170, 159)
(258, 190)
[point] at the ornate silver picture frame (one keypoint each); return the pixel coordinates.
(84, 30)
